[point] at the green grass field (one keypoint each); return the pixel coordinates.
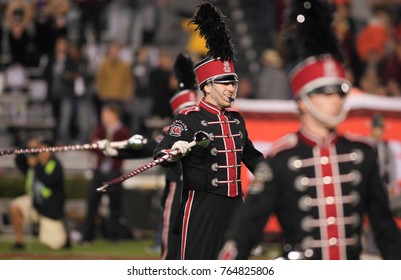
(99, 249)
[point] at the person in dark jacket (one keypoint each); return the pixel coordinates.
(111, 129)
(44, 199)
(74, 105)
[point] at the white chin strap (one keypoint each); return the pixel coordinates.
(330, 122)
(225, 98)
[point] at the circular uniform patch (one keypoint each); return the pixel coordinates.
(177, 127)
(176, 130)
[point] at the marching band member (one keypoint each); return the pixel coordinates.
(212, 175)
(320, 184)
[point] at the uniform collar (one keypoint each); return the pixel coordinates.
(313, 139)
(215, 110)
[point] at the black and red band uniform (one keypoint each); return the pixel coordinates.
(321, 190)
(212, 189)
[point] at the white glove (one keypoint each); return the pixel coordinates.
(136, 142)
(182, 147)
(105, 147)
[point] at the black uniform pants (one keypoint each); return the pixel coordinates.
(205, 220)
(171, 206)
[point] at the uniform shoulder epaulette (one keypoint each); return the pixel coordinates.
(286, 142)
(188, 110)
(359, 138)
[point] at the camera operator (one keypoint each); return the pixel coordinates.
(44, 198)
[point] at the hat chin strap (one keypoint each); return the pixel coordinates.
(227, 99)
(330, 122)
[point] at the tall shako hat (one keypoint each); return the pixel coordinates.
(218, 65)
(311, 37)
(187, 85)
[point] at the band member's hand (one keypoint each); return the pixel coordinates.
(182, 146)
(105, 147)
(136, 142)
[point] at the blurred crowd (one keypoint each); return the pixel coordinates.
(91, 52)
(369, 32)
(88, 53)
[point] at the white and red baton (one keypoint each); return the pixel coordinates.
(201, 138)
(135, 141)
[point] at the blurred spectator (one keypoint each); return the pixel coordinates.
(107, 168)
(44, 199)
(372, 46)
(74, 107)
(386, 158)
(344, 26)
(388, 175)
(60, 10)
(160, 87)
(143, 98)
(391, 73)
(115, 81)
(90, 19)
(50, 23)
(373, 39)
(53, 74)
(272, 81)
(387, 163)
(21, 41)
(150, 21)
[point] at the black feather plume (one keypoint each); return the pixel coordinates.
(309, 29)
(211, 24)
(184, 72)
